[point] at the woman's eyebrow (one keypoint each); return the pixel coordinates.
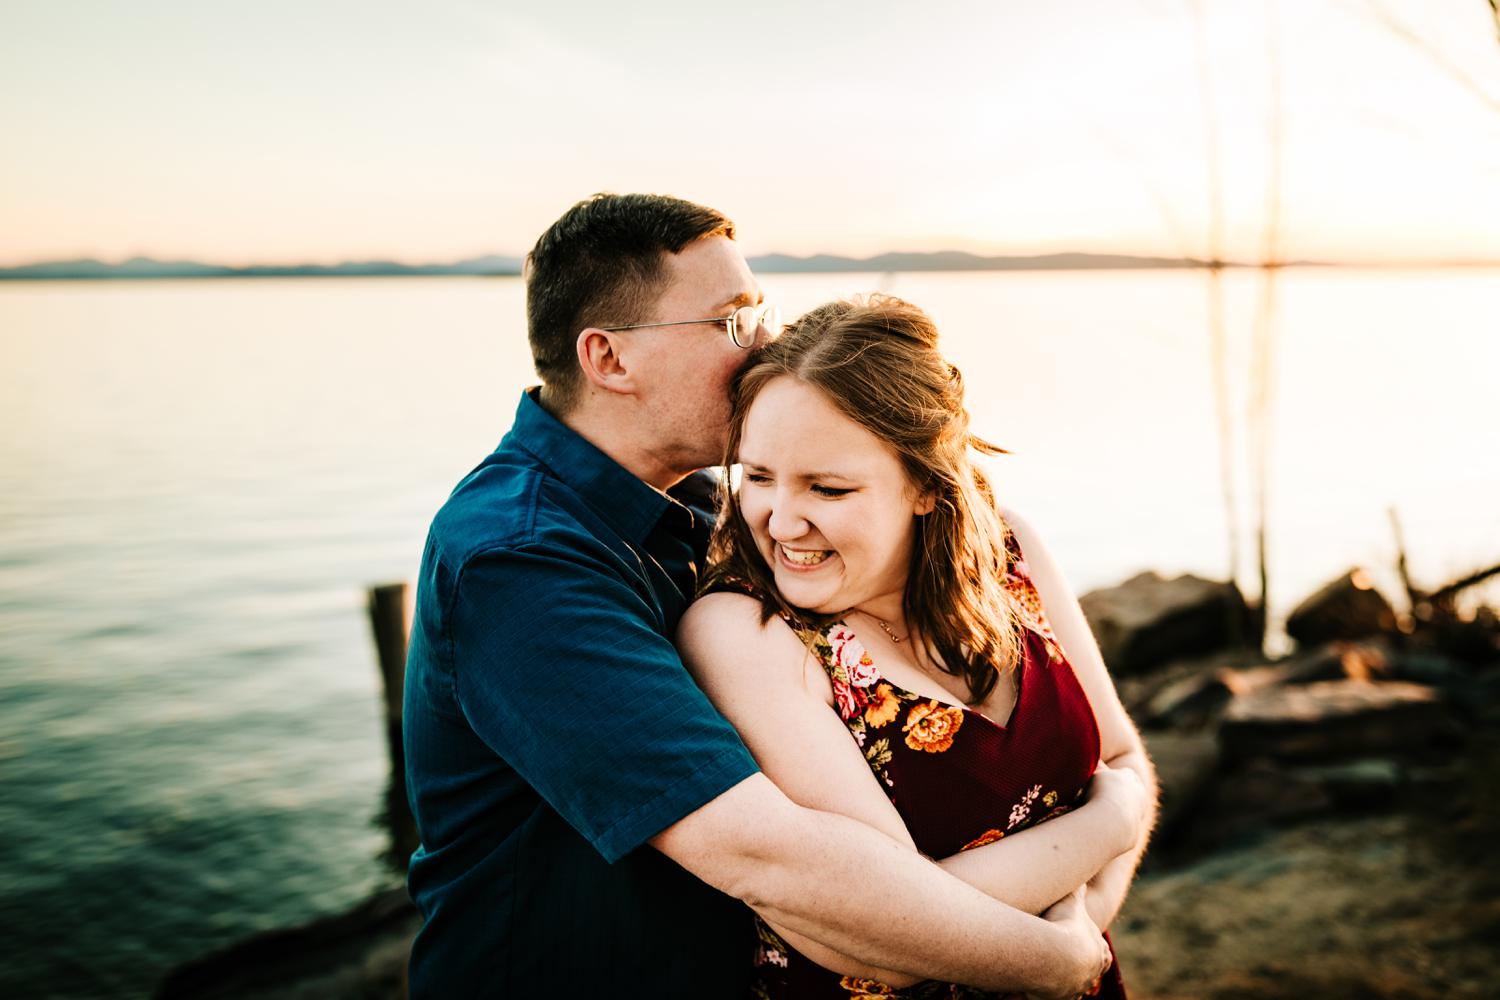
(806, 476)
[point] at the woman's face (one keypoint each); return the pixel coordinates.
(829, 504)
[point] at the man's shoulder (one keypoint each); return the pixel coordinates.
(492, 507)
(506, 505)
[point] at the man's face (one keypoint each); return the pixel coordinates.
(685, 371)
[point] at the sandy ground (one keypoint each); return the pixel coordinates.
(1404, 904)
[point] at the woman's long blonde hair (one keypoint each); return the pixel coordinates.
(877, 360)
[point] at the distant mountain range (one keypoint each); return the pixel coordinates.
(146, 267)
(946, 260)
(957, 260)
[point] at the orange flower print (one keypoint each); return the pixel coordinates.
(987, 837)
(884, 706)
(865, 989)
(931, 726)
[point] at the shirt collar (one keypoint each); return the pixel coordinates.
(629, 505)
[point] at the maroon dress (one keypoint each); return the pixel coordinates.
(958, 779)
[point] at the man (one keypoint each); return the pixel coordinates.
(573, 789)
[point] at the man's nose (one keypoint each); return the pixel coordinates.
(762, 335)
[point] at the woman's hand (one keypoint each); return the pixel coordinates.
(1091, 950)
(1122, 788)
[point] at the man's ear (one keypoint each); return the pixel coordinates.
(600, 355)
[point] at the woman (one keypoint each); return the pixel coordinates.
(875, 630)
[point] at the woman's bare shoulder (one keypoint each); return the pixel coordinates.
(723, 615)
(1014, 521)
(725, 633)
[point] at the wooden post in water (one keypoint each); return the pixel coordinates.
(389, 622)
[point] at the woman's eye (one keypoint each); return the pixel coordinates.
(759, 479)
(830, 491)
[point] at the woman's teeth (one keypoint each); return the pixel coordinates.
(810, 557)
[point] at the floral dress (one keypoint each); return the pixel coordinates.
(958, 779)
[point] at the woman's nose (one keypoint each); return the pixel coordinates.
(787, 523)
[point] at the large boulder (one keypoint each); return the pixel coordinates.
(1327, 719)
(1371, 659)
(1185, 766)
(1149, 620)
(1347, 608)
(1264, 793)
(1191, 702)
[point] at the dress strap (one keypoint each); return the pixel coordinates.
(1024, 596)
(849, 666)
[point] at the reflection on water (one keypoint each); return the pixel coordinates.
(198, 478)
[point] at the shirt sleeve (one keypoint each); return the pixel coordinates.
(559, 671)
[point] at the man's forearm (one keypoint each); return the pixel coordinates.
(861, 896)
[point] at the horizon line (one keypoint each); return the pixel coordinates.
(141, 265)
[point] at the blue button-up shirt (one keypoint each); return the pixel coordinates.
(550, 730)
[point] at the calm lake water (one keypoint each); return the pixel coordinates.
(199, 478)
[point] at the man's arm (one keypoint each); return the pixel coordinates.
(824, 875)
(1120, 743)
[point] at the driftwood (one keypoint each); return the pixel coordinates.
(1412, 594)
(388, 604)
(1444, 595)
(1438, 605)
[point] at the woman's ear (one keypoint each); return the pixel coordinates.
(925, 503)
(601, 358)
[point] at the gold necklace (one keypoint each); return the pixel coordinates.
(886, 628)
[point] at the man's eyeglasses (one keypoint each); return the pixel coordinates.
(741, 324)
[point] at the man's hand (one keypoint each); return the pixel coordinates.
(1122, 788)
(1091, 949)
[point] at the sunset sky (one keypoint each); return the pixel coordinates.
(295, 131)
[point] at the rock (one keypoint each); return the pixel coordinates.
(1148, 619)
(1185, 766)
(361, 953)
(1473, 641)
(1336, 661)
(1454, 679)
(1139, 690)
(1359, 784)
(1333, 719)
(1264, 793)
(1347, 608)
(1189, 703)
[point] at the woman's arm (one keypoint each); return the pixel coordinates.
(1120, 744)
(1028, 869)
(769, 686)
(1105, 892)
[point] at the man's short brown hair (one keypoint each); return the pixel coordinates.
(602, 264)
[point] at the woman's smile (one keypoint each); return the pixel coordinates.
(803, 559)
